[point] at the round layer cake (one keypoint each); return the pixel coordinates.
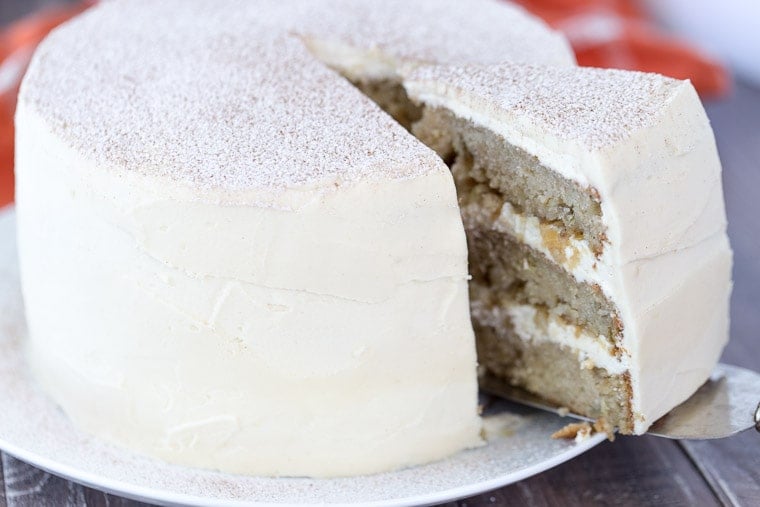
(231, 257)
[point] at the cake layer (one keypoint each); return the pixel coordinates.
(561, 374)
(535, 323)
(391, 96)
(633, 137)
(514, 272)
(481, 156)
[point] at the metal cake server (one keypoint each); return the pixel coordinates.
(725, 405)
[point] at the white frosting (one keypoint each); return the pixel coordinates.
(331, 339)
(353, 62)
(645, 144)
(395, 32)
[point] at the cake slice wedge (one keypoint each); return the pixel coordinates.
(593, 206)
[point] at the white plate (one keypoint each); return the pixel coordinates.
(35, 430)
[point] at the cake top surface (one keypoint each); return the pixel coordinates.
(435, 31)
(226, 95)
(595, 107)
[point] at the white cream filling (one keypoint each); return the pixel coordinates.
(576, 257)
(572, 254)
(354, 63)
(593, 351)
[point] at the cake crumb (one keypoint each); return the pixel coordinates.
(563, 411)
(581, 431)
(602, 426)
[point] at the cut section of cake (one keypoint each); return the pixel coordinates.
(593, 206)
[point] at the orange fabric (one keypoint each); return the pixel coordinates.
(603, 33)
(617, 34)
(17, 43)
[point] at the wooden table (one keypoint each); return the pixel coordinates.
(632, 470)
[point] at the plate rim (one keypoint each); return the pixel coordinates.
(142, 493)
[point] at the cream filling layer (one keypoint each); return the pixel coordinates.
(593, 351)
(572, 254)
(529, 325)
(353, 63)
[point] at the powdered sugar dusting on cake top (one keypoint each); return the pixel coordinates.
(225, 95)
(210, 97)
(596, 107)
(438, 31)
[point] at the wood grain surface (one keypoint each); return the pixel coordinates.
(630, 471)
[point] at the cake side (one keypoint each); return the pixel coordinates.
(677, 244)
(632, 152)
(194, 332)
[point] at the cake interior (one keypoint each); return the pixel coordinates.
(512, 280)
(519, 295)
(391, 96)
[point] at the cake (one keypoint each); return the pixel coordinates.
(235, 253)
(231, 257)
